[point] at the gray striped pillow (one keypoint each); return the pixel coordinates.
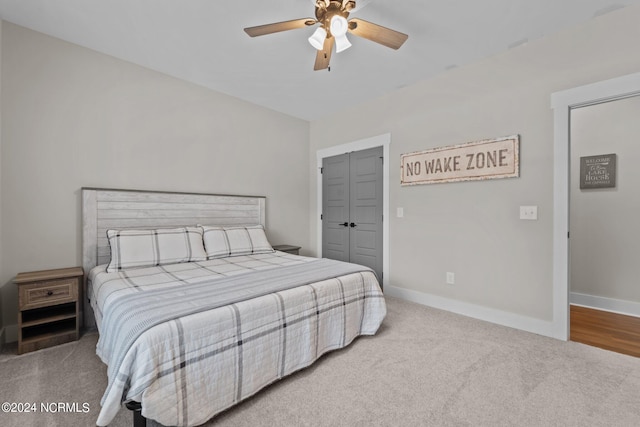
(145, 248)
(222, 242)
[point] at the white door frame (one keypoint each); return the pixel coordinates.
(376, 141)
(562, 102)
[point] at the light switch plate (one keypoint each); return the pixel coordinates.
(400, 212)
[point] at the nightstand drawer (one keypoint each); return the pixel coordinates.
(41, 294)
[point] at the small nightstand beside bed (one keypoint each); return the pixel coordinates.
(194, 319)
(48, 304)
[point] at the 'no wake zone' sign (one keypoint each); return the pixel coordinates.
(479, 160)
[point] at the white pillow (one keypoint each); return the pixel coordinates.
(222, 242)
(145, 248)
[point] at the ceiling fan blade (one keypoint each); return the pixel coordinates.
(377, 33)
(276, 27)
(324, 56)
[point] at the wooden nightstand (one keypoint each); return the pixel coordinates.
(295, 250)
(48, 307)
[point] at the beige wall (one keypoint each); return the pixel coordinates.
(501, 263)
(605, 237)
(74, 117)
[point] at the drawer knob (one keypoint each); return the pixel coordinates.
(49, 293)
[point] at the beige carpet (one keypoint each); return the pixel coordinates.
(424, 368)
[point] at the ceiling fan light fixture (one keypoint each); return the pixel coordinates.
(338, 27)
(317, 38)
(331, 15)
(342, 43)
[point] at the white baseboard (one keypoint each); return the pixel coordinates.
(504, 318)
(619, 306)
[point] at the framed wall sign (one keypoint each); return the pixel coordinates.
(598, 171)
(478, 160)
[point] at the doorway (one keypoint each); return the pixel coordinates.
(562, 103)
(604, 236)
(384, 141)
(352, 202)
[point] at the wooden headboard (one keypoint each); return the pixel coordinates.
(104, 209)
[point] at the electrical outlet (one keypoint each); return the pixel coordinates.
(451, 278)
(529, 212)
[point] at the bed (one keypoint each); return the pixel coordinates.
(211, 314)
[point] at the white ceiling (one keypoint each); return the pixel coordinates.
(203, 41)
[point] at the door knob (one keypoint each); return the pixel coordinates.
(352, 225)
(345, 224)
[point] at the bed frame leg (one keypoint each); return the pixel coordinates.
(138, 419)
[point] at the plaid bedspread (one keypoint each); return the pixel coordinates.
(260, 318)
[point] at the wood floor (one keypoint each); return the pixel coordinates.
(611, 331)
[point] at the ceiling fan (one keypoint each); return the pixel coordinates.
(332, 17)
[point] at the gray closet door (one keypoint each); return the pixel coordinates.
(352, 208)
(335, 207)
(365, 211)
